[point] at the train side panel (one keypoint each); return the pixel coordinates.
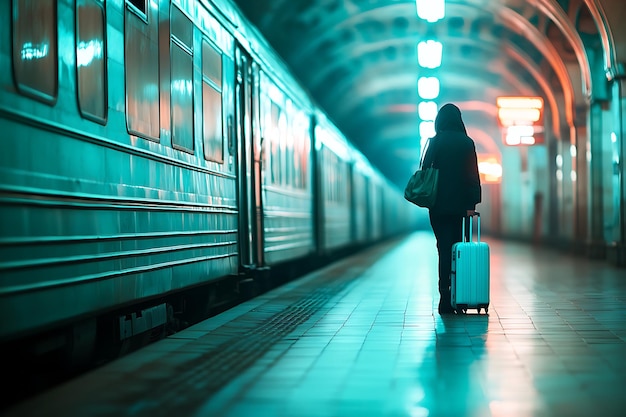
(119, 176)
(94, 217)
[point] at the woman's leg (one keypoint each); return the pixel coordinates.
(447, 231)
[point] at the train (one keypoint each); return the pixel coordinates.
(159, 158)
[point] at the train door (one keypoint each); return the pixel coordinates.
(249, 172)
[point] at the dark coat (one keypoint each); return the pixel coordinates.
(454, 154)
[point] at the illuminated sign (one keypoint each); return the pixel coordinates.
(519, 110)
(490, 169)
(519, 135)
(521, 119)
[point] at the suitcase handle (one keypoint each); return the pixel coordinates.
(477, 214)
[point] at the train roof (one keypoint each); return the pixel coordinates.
(251, 39)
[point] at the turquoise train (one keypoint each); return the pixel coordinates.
(158, 158)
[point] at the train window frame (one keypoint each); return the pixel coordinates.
(277, 114)
(25, 86)
(289, 145)
(138, 7)
(210, 83)
(336, 170)
(302, 150)
(87, 114)
(182, 42)
(134, 124)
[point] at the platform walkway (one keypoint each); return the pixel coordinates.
(362, 338)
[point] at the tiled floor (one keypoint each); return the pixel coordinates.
(360, 339)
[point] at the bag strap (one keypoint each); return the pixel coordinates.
(424, 155)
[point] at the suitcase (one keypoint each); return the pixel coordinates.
(470, 272)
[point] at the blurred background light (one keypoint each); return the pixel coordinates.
(490, 169)
(520, 135)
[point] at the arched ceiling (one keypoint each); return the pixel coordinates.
(358, 58)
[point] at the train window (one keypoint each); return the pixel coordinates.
(333, 169)
(297, 144)
(275, 139)
(279, 139)
(181, 28)
(141, 48)
(284, 149)
(140, 7)
(91, 59)
(212, 103)
(181, 81)
(35, 48)
(284, 138)
(336, 170)
(301, 151)
(288, 154)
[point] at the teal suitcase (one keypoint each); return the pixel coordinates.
(470, 272)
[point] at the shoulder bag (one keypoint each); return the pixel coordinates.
(421, 189)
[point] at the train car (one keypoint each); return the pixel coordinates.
(157, 157)
(361, 177)
(123, 187)
(286, 174)
(334, 162)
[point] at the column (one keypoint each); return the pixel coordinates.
(596, 244)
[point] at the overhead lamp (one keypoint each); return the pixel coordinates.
(431, 10)
(428, 87)
(429, 54)
(427, 110)
(427, 129)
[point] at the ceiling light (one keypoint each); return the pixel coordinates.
(431, 10)
(428, 87)
(427, 110)
(427, 129)
(429, 54)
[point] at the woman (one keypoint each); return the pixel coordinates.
(458, 190)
